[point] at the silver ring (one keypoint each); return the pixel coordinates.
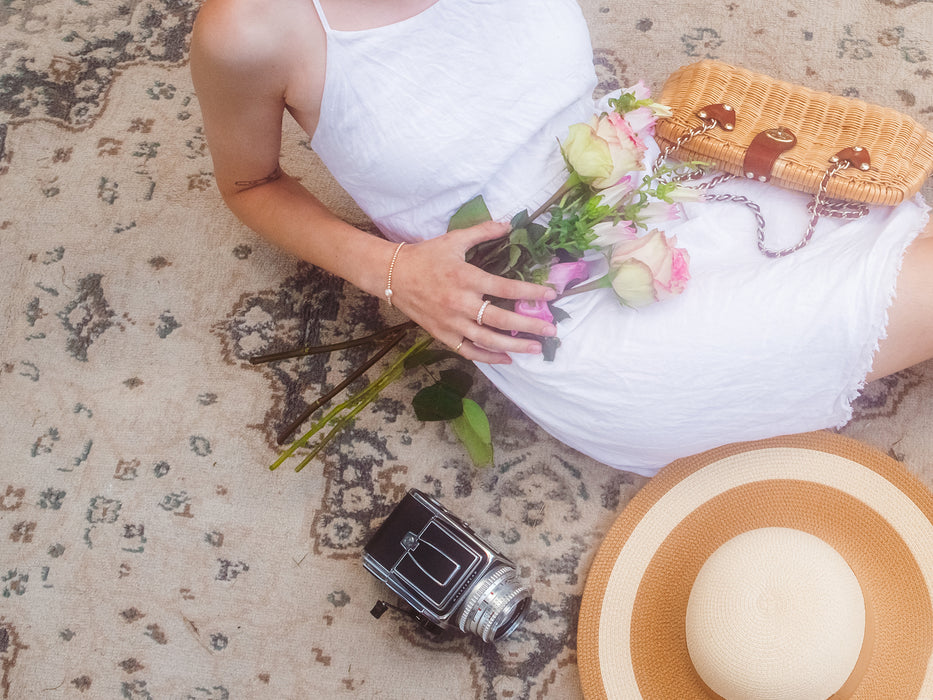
(482, 310)
(459, 345)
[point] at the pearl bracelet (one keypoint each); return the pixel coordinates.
(388, 289)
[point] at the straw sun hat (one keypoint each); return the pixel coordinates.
(795, 568)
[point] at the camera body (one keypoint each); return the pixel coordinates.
(448, 575)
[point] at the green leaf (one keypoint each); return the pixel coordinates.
(515, 252)
(574, 252)
(535, 231)
(519, 236)
(457, 380)
(472, 213)
(626, 102)
(520, 220)
(540, 274)
(472, 429)
(437, 402)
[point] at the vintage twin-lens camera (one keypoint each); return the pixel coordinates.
(444, 571)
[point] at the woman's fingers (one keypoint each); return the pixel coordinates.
(494, 334)
(477, 353)
(505, 320)
(496, 286)
(437, 289)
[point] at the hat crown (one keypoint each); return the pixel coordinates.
(775, 614)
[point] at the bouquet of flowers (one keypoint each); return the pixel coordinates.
(601, 207)
(597, 213)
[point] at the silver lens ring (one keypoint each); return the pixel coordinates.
(512, 611)
(495, 606)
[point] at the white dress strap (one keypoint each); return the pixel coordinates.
(321, 15)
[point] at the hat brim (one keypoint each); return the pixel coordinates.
(631, 638)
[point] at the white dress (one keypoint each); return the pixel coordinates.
(470, 97)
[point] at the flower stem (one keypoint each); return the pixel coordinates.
(390, 343)
(572, 182)
(318, 349)
(354, 403)
(600, 283)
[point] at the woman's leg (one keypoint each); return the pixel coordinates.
(910, 318)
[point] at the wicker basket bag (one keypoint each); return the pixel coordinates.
(751, 125)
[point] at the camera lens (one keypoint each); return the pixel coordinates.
(495, 606)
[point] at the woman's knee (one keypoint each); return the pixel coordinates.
(909, 338)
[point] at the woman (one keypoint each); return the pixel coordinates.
(416, 106)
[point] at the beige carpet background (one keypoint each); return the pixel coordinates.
(145, 549)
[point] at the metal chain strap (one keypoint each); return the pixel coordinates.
(838, 208)
(713, 181)
(696, 131)
(818, 207)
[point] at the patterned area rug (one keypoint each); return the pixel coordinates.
(146, 551)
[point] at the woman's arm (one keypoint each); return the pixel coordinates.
(243, 70)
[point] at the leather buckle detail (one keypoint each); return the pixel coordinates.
(856, 156)
(764, 151)
(722, 114)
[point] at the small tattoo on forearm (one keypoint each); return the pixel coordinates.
(249, 184)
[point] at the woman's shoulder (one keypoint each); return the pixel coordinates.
(249, 33)
(244, 50)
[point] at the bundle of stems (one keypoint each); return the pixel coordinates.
(343, 413)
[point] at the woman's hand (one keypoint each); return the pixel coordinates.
(434, 286)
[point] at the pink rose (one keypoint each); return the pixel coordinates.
(587, 154)
(603, 151)
(563, 275)
(625, 147)
(648, 269)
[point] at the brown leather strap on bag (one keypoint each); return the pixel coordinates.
(764, 150)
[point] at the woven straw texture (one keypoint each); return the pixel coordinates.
(901, 150)
(632, 638)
